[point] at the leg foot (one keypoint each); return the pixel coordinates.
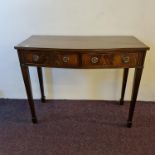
(34, 120)
(121, 102)
(129, 124)
(43, 99)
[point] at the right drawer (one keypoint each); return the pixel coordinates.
(110, 60)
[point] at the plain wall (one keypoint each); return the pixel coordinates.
(20, 19)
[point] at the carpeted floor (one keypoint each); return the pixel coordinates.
(76, 128)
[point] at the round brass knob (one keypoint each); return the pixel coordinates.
(65, 59)
(94, 60)
(35, 58)
(125, 59)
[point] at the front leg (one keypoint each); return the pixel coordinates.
(27, 82)
(136, 83)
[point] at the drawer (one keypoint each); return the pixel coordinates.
(110, 60)
(36, 58)
(51, 59)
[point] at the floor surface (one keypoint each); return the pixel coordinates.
(68, 127)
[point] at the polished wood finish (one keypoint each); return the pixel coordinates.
(82, 53)
(125, 77)
(72, 43)
(110, 60)
(82, 59)
(54, 59)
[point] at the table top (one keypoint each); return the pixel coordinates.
(82, 42)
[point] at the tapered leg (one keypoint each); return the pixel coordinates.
(136, 83)
(27, 82)
(40, 76)
(125, 77)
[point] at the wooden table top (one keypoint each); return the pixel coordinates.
(82, 42)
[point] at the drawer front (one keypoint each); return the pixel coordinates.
(89, 60)
(110, 60)
(126, 60)
(51, 59)
(36, 58)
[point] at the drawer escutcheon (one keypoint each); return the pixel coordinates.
(35, 58)
(94, 60)
(125, 59)
(65, 59)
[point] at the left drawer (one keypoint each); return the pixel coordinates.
(36, 58)
(50, 59)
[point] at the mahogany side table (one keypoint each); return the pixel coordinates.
(83, 53)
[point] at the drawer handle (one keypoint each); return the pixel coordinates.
(94, 60)
(65, 59)
(35, 58)
(125, 59)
